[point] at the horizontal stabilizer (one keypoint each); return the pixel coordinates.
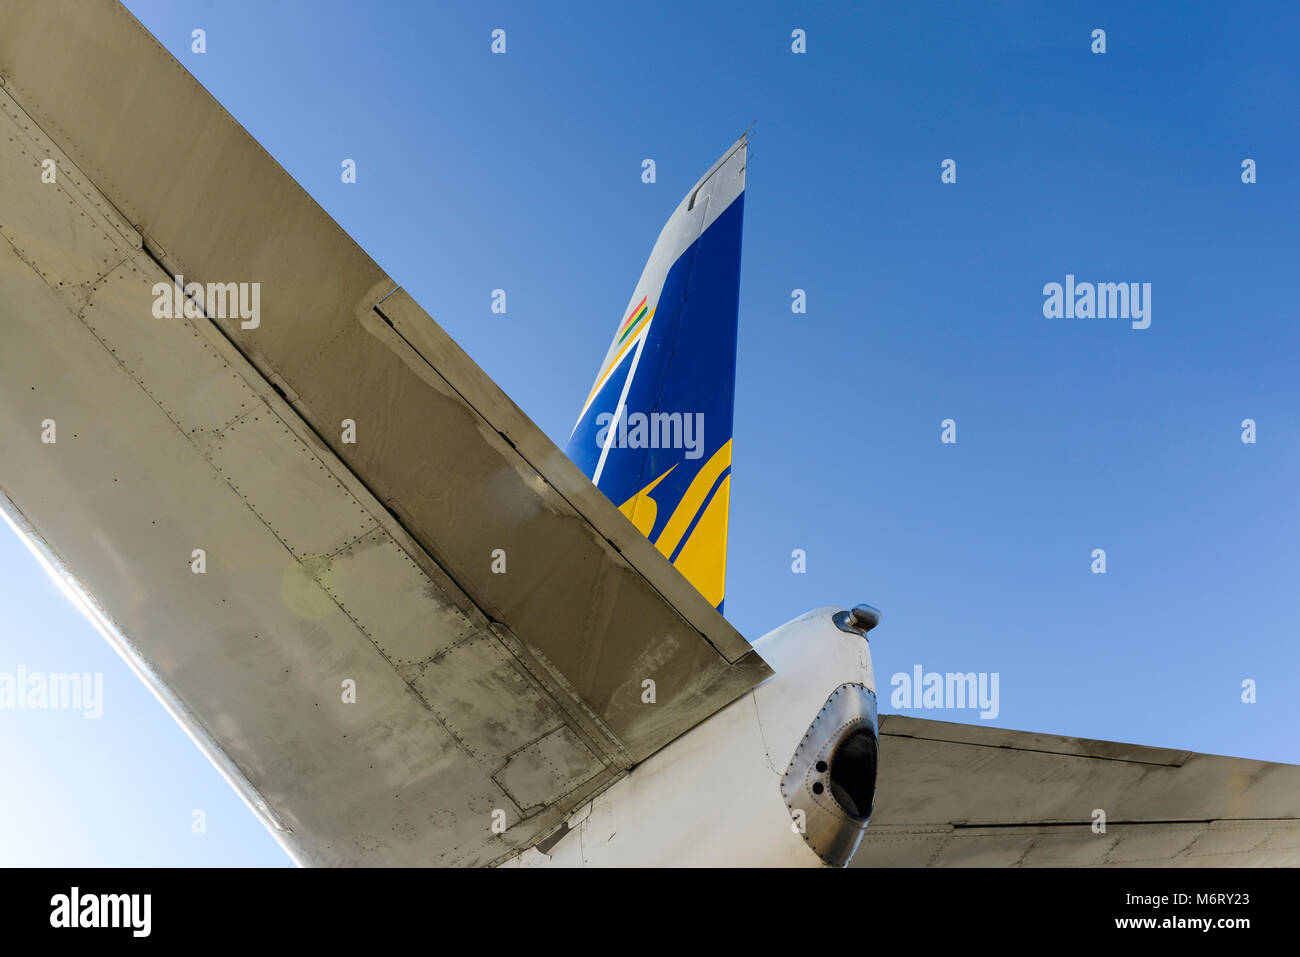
(418, 635)
(953, 795)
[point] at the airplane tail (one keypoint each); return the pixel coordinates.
(655, 432)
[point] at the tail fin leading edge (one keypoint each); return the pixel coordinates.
(655, 432)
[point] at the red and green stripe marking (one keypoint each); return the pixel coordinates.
(635, 321)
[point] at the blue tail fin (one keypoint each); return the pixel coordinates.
(655, 432)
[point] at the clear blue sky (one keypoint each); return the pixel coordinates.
(925, 302)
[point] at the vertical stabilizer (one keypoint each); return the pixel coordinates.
(655, 431)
